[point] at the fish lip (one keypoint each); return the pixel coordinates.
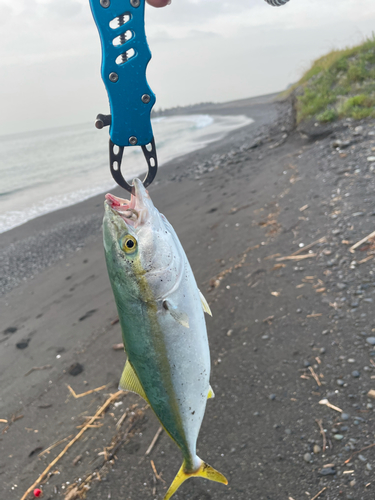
(132, 211)
(120, 208)
(116, 203)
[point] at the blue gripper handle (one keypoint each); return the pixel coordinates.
(130, 97)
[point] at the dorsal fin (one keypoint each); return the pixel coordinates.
(130, 382)
(206, 307)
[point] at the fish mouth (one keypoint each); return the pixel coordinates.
(133, 211)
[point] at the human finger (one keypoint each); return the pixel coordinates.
(158, 3)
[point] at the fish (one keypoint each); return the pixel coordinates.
(161, 313)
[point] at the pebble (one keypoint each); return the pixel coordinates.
(10, 329)
(338, 143)
(340, 382)
(341, 286)
(371, 158)
(345, 416)
(362, 458)
(272, 397)
(307, 457)
(229, 333)
(75, 369)
(317, 449)
(370, 340)
(355, 374)
(338, 437)
(368, 466)
(327, 471)
(23, 344)
(351, 360)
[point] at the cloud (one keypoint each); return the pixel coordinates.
(6, 13)
(226, 17)
(65, 9)
(202, 50)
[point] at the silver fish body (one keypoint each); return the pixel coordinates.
(161, 312)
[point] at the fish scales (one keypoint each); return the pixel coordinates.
(162, 321)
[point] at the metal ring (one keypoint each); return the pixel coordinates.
(115, 160)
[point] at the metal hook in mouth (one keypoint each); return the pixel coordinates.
(115, 159)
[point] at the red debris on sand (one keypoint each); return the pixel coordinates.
(37, 492)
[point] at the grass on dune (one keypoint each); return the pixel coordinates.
(339, 84)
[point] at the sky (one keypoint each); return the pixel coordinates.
(203, 50)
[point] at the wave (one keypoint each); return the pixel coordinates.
(55, 171)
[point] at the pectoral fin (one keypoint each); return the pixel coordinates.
(206, 307)
(180, 317)
(211, 393)
(177, 315)
(130, 382)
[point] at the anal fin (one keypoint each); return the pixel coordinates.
(130, 382)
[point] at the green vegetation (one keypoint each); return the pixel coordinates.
(339, 84)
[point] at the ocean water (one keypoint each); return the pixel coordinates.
(46, 170)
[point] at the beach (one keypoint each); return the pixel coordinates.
(267, 226)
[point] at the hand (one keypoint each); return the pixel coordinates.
(158, 3)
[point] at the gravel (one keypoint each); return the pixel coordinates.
(22, 260)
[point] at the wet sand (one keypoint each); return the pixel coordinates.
(235, 205)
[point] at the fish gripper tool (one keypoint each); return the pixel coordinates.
(125, 56)
(277, 3)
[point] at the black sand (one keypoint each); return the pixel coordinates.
(237, 206)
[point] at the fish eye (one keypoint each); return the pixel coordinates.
(128, 244)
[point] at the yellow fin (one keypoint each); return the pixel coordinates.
(204, 470)
(211, 393)
(206, 307)
(130, 382)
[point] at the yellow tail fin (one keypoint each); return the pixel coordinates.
(204, 470)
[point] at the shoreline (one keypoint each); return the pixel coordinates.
(85, 192)
(40, 232)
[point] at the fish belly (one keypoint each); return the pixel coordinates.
(172, 363)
